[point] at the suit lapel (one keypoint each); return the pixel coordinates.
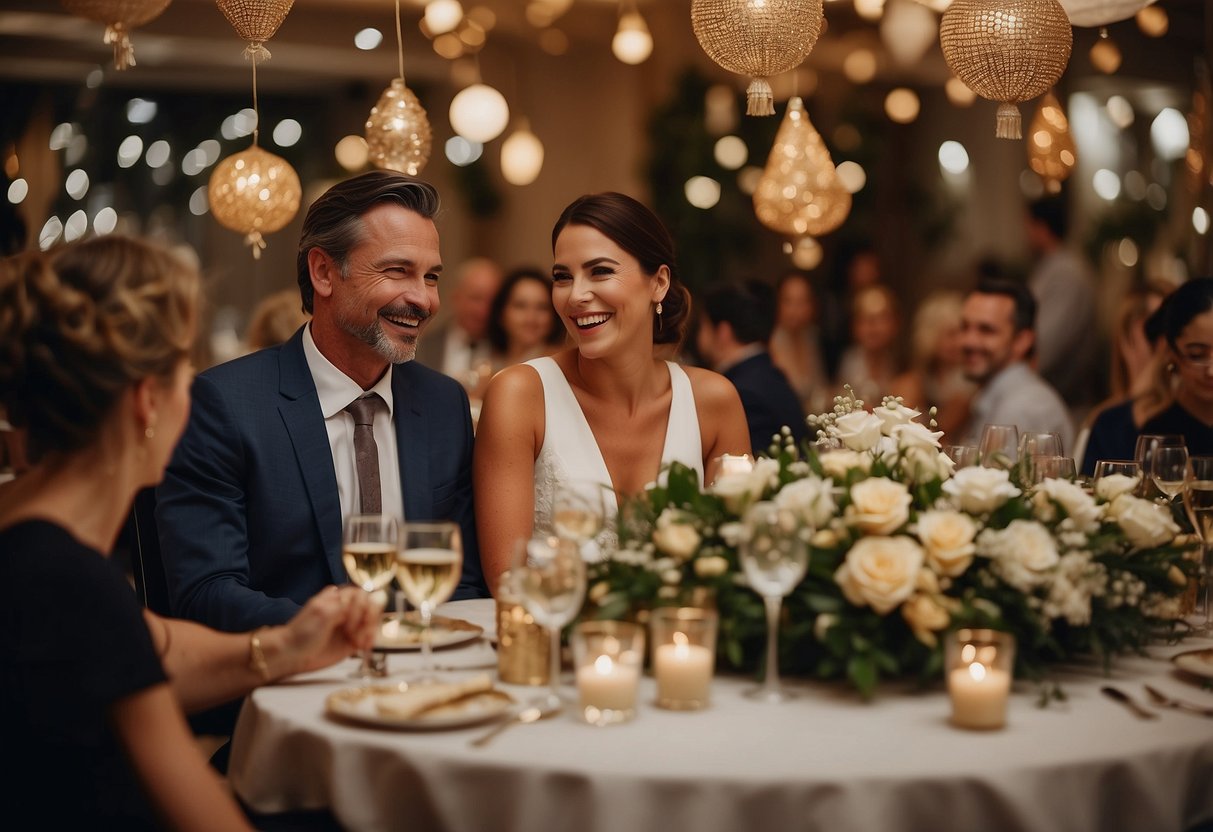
(300, 411)
(412, 446)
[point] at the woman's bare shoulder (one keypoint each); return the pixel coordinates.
(516, 384)
(711, 389)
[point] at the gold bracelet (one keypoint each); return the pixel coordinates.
(256, 656)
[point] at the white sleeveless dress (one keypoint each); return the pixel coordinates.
(571, 453)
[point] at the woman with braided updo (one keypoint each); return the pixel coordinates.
(94, 367)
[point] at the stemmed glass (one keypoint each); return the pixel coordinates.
(775, 558)
(1167, 469)
(369, 544)
(1198, 500)
(1054, 468)
(962, 456)
(999, 446)
(428, 567)
(1032, 446)
(578, 511)
(549, 576)
(1143, 452)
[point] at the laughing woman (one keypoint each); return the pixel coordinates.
(607, 410)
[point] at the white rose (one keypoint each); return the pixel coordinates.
(980, 490)
(741, 488)
(947, 537)
(926, 616)
(892, 415)
(858, 430)
(1111, 486)
(1022, 552)
(878, 505)
(886, 450)
(811, 499)
(1145, 524)
(914, 435)
(836, 464)
(880, 572)
(711, 566)
(675, 536)
(1078, 505)
(925, 464)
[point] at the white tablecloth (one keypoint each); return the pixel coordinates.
(826, 761)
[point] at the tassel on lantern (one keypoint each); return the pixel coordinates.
(255, 21)
(119, 17)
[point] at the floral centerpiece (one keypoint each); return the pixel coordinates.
(902, 548)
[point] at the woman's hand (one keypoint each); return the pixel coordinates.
(333, 624)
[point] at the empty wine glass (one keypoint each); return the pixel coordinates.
(1055, 468)
(962, 456)
(549, 576)
(1035, 444)
(1167, 467)
(775, 557)
(369, 544)
(1198, 500)
(428, 566)
(999, 446)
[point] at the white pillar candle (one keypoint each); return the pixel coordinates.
(684, 673)
(607, 685)
(735, 464)
(979, 696)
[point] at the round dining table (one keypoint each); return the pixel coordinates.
(825, 760)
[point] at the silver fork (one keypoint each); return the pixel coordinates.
(1160, 698)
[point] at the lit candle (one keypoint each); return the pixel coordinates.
(979, 696)
(735, 464)
(684, 673)
(608, 685)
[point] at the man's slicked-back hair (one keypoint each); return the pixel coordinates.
(334, 222)
(1020, 295)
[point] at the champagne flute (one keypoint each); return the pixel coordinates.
(775, 557)
(999, 446)
(1198, 500)
(368, 551)
(428, 566)
(1167, 467)
(549, 576)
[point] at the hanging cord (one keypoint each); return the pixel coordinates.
(399, 42)
(256, 111)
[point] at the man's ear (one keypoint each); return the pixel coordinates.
(1022, 343)
(322, 270)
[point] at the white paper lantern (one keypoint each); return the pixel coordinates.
(1101, 12)
(908, 30)
(479, 113)
(521, 156)
(632, 43)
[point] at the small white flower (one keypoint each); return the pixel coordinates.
(914, 435)
(742, 488)
(675, 536)
(893, 414)
(711, 566)
(858, 430)
(1023, 552)
(980, 490)
(1080, 508)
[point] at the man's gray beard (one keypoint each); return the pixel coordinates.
(373, 336)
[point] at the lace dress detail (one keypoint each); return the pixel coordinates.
(571, 453)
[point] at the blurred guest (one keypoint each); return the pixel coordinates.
(796, 341)
(733, 334)
(1134, 349)
(275, 319)
(996, 339)
(1187, 326)
(522, 321)
(459, 346)
(870, 364)
(936, 375)
(94, 365)
(1067, 345)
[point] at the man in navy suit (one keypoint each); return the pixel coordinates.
(251, 508)
(733, 333)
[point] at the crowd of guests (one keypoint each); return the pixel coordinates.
(366, 406)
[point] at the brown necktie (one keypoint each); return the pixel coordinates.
(366, 452)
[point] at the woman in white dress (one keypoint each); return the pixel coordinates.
(607, 410)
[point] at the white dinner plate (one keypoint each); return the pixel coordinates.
(1196, 662)
(444, 632)
(358, 705)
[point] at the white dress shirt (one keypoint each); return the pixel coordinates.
(336, 390)
(460, 356)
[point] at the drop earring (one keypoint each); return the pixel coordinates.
(659, 308)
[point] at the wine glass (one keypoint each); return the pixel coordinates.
(962, 456)
(1054, 468)
(428, 567)
(1198, 500)
(999, 446)
(1105, 468)
(1034, 444)
(549, 576)
(1167, 468)
(775, 557)
(578, 514)
(1143, 452)
(368, 551)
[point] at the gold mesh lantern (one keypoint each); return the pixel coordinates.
(255, 21)
(119, 17)
(1008, 51)
(799, 193)
(758, 38)
(254, 192)
(1051, 151)
(398, 135)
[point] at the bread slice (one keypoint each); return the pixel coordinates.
(417, 700)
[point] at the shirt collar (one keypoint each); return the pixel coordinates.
(1008, 378)
(334, 388)
(744, 354)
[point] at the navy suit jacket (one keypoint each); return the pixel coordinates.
(248, 513)
(768, 400)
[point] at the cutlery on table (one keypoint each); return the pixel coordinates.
(1161, 699)
(1118, 695)
(529, 714)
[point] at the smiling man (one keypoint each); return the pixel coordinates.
(275, 459)
(997, 338)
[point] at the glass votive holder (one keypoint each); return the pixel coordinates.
(979, 666)
(608, 657)
(684, 655)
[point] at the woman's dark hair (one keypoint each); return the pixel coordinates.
(496, 328)
(639, 232)
(1191, 299)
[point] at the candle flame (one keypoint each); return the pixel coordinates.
(681, 650)
(603, 665)
(968, 652)
(978, 671)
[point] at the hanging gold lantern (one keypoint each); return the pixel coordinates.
(1008, 51)
(1051, 152)
(799, 193)
(255, 21)
(398, 135)
(758, 39)
(254, 192)
(119, 17)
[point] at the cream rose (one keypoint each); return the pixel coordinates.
(914, 435)
(892, 415)
(926, 464)
(980, 490)
(811, 499)
(1111, 486)
(1023, 552)
(858, 430)
(926, 617)
(1144, 523)
(880, 572)
(837, 463)
(878, 505)
(742, 488)
(947, 537)
(1078, 505)
(711, 566)
(675, 536)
